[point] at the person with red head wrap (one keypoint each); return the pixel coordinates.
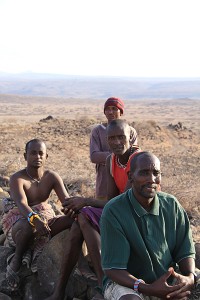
(99, 149)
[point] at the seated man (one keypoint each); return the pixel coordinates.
(87, 225)
(145, 234)
(29, 217)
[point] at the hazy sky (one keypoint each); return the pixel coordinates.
(141, 38)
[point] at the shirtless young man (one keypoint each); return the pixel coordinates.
(87, 225)
(30, 215)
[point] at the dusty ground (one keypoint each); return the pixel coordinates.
(169, 128)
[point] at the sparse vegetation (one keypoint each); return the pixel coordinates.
(67, 138)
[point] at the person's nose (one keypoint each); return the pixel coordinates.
(152, 177)
(117, 141)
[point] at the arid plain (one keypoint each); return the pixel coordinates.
(169, 128)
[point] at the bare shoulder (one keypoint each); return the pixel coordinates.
(18, 175)
(51, 174)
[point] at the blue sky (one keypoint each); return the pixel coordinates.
(140, 38)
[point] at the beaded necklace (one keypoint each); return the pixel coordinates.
(132, 149)
(34, 179)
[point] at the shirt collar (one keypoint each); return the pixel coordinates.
(140, 211)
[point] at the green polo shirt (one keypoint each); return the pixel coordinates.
(145, 243)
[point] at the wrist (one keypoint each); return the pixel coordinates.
(88, 202)
(32, 216)
(136, 284)
(192, 275)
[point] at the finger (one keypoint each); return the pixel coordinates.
(69, 213)
(179, 294)
(66, 211)
(69, 206)
(64, 204)
(72, 212)
(168, 274)
(179, 297)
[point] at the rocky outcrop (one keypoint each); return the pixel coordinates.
(41, 285)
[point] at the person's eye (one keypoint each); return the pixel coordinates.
(143, 172)
(157, 173)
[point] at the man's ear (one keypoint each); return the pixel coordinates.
(129, 176)
(131, 137)
(25, 156)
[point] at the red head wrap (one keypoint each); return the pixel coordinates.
(113, 101)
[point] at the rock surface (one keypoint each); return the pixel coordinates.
(40, 285)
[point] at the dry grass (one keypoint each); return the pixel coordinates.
(67, 139)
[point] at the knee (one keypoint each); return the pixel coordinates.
(76, 234)
(22, 231)
(82, 220)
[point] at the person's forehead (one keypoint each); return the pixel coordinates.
(148, 162)
(117, 130)
(36, 146)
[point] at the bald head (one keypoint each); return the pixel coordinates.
(143, 155)
(33, 141)
(145, 176)
(119, 123)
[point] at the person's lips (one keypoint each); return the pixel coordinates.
(118, 149)
(111, 117)
(38, 162)
(151, 188)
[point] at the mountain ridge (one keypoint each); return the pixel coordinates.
(98, 87)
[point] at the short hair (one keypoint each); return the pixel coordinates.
(118, 123)
(136, 156)
(33, 141)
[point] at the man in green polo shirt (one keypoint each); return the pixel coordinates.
(145, 235)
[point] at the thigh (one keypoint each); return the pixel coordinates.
(22, 230)
(114, 291)
(60, 224)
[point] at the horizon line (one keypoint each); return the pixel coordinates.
(94, 76)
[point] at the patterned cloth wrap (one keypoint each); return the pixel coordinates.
(12, 215)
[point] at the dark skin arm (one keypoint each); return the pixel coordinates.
(76, 203)
(159, 288)
(97, 156)
(186, 266)
(18, 194)
(20, 187)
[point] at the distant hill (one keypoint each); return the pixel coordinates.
(32, 84)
